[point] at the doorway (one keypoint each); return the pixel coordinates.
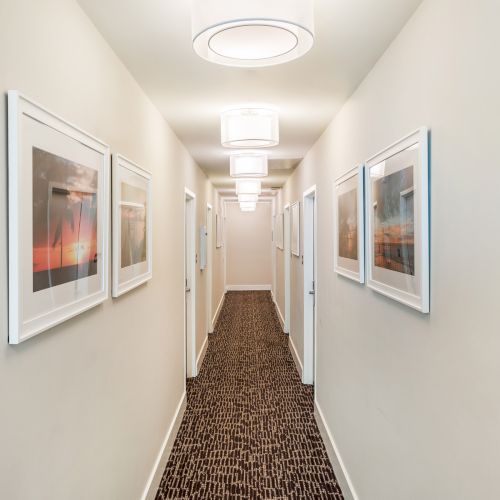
(310, 287)
(190, 282)
(208, 268)
(288, 258)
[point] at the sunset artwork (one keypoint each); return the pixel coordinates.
(64, 221)
(394, 238)
(348, 224)
(133, 225)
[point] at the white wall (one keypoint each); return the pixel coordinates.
(248, 245)
(412, 400)
(86, 406)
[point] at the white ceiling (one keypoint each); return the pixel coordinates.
(153, 39)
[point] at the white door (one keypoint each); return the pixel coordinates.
(310, 287)
(288, 258)
(190, 284)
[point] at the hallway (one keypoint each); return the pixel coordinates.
(249, 428)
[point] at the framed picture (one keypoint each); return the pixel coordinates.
(279, 230)
(349, 225)
(397, 204)
(296, 229)
(132, 226)
(218, 231)
(58, 219)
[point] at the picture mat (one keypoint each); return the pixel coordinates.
(352, 181)
(410, 290)
(32, 126)
(37, 304)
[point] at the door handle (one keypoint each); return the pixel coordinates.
(188, 290)
(312, 292)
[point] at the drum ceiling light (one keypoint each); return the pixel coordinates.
(249, 165)
(248, 186)
(252, 33)
(248, 207)
(248, 198)
(250, 128)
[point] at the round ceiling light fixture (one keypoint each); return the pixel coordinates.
(252, 33)
(248, 198)
(250, 128)
(248, 206)
(248, 164)
(248, 186)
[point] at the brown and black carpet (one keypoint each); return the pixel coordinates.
(249, 428)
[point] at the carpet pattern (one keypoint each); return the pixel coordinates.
(249, 428)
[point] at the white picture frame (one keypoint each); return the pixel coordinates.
(398, 235)
(295, 228)
(218, 231)
(54, 168)
(279, 230)
(349, 225)
(132, 212)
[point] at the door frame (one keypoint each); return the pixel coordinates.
(208, 268)
(287, 246)
(310, 282)
(190, 263)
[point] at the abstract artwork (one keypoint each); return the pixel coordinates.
(64, 221)
(132, 226)
(398, 221)
(58, 219)
(349, 225)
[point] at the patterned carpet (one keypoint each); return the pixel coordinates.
(249, 428)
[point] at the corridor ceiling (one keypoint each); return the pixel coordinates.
(153, 39)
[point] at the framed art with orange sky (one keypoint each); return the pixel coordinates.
(58, 219)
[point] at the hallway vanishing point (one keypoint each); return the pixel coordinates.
(249, 428)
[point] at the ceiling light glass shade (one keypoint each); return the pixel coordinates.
(248, 198)
(252, 33)
(248, 186)
(250, 128)
(248, 207)
(249, 165)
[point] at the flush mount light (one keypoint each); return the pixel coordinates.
(248, 207)
(248, 198)
(249, 165)
(248, 186)
(252, 33)
(250, 128)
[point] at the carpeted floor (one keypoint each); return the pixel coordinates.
(249, 428)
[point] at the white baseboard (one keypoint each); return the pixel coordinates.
(280, 316)
(217, 312)
(161, 461)
(333, 454)
(201, 356)
(245, 288)
(295, 356)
